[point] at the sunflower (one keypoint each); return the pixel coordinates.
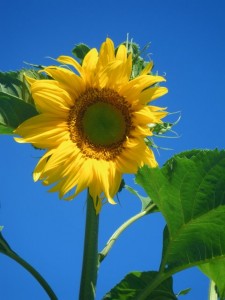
(93, 122)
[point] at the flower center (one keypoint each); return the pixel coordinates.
(99, 123)
(103, 124)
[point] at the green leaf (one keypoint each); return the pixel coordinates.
(190, 192)
(215, 270)
(16, 103)
(80, 51)
(14, 83)
(5, 129)
(130, 287)
(184, 292)
(13, 111)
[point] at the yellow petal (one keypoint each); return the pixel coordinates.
(29, 79)
(44, 131)
(106, 54)
(147, 69)
(62, 154)
(41, 165)
(72, 62)
(68, 80)
(89, 65)
(52, 102)
(151, 94)
(149, 158)
(149, 114)
(133, 88)
(108, 76)
(122, 53)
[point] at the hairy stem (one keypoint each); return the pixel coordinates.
(118, 232)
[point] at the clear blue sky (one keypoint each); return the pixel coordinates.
(187, 44)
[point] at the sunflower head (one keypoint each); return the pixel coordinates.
(93, 121)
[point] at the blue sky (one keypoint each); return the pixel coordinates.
(187, 45)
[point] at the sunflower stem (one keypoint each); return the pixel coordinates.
(90, 254)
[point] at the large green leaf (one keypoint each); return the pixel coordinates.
(216, 271)
(13, 111)
(135, 282)
(80, 51)
(190, 192)
(14, 83)
(16, 103)
(5, 129)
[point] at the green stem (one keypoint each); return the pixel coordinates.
(118, 232)
(33, 272)
(212, 291)
(90, 254)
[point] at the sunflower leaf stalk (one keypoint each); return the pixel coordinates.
(6, 250)
(122, 228)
